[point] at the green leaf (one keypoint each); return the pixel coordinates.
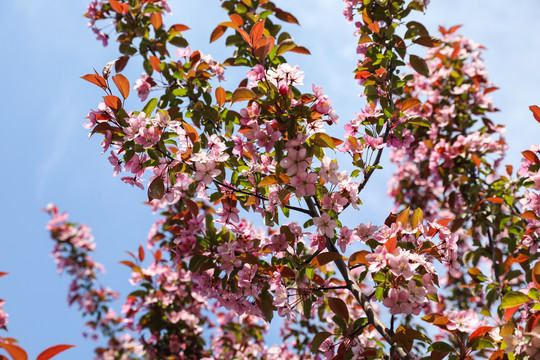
(322, 140)
(442, 347)
(150, 106)
(419, 120)
(179, 41)
(419, 65)
(513, 299)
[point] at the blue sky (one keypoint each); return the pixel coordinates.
(48, 157)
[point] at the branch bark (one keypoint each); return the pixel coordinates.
(362, 299)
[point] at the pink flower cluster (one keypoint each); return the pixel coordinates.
(531, 199)
(3, 315)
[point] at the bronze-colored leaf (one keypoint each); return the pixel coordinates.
(217, 33)
(53, 351)
(419, 65)
(324, 258)
(154, 61)
(242, 94)
(220, 96)
(285, 16)
(339, 307)
(410, 103)
(156, 20)
(156, 190)
(96, 79)
(122, 83)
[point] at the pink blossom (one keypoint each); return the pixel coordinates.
(183, 52)
(206, 172)
(142, 86)
(377, 260)
(304, 184)
(375, 143)
(133, 181)
(325, 225)
(295, 161)
(398, 301)
(464, 320)
(148, 137)
(329, 170)
(400, 265)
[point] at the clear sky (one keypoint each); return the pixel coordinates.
(48, 157)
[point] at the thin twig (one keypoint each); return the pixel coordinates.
(259, 196)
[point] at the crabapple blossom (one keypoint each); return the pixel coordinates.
(325, 225)
(142, 86)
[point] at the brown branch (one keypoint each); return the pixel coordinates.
(362, 299)
(240, 191)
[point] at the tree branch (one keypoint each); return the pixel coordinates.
(260, 197)
(362, 299)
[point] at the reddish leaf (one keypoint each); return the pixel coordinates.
(444, 222)
(497, 355)
(496, 200)
(113, 102)
(220, 96)
(237, 19)
(509, 169)
(156, 20)
(390, 244)
(436, 319)
(273, 179)
(157, 255)
(532, 322)
(179, 28)
(529, 215)
(191, 133)
(536, 274)
(419, 65)
(481, 331)
(141, 253)
(217, 33)
(242, 94)
(536, 112)
(118, 6)
(318, 339)
(300, 50)
(410, 103)
(129, 264)
(490, 89)
(263, 46)
(16, 352)
(403, 216)
(121, 63)
(53, 351)
(154, 61)
(428, 41)
(96, 79)
(285, 16)
(529, 155)
(122, 83)
(256, 32)
(374, 27)
(339, 307)
(508, 313)
(324, 258)
(3, 273)
(359, 258)
(245, 36)
(156, 190)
